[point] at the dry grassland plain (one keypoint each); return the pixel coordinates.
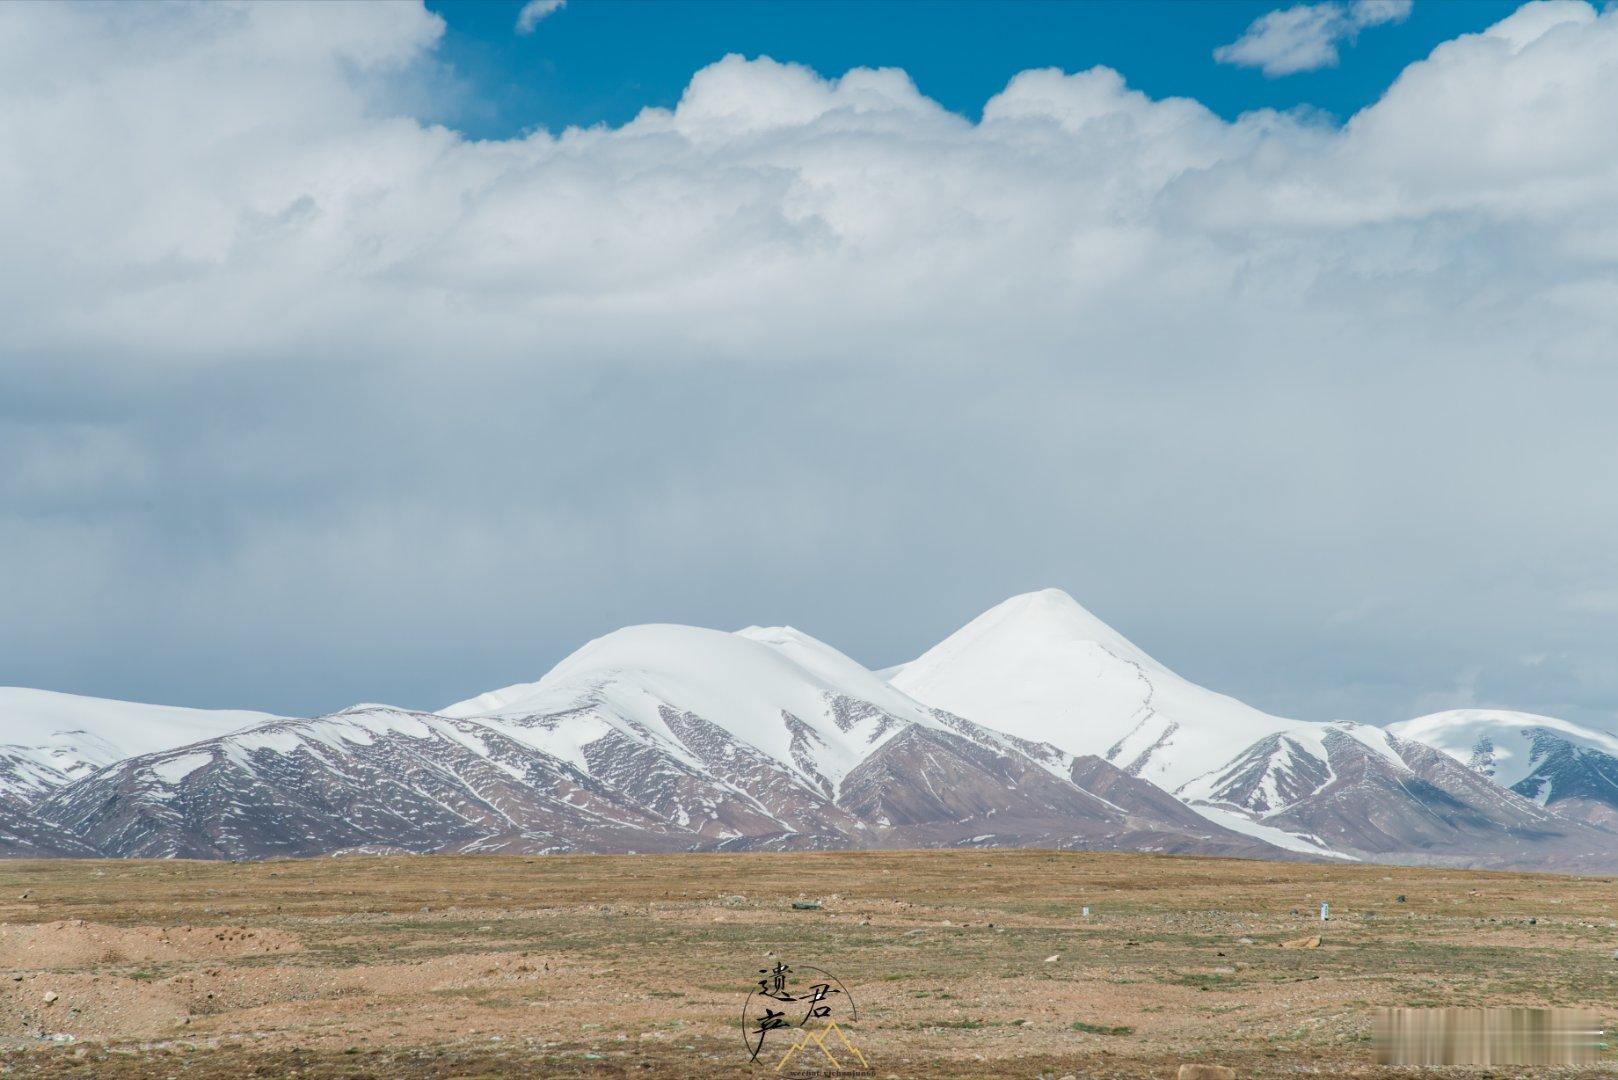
(962, 963)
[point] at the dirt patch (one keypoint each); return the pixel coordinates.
(75, 1007)
(74, 943)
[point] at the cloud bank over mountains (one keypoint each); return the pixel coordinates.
(296, 387)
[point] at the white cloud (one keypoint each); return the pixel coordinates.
(1306, 37)
(1376, 12)
(536, 10)
(310, 378)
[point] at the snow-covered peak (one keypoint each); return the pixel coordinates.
(834, 668)
(779, 691)
(788, 639)
(1507, 747)
(1041, 667)
(711, 672)
(1043, 622)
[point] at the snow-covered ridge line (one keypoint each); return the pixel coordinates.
(776, 690)
(48, 739)
(28, 717)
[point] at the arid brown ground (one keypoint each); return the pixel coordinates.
(967, 963)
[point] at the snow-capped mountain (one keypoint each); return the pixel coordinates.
(1034, 725)
(651, 738)
(1557, 764)
(1362, 791)
(1041, 667)
(48, 739)
(776, 692)
(371, 777)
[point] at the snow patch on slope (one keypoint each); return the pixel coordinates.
(1280, 838)
(171, 770)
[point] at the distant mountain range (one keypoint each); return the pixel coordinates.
(1034, 725)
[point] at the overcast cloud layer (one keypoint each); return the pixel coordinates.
(303, 401)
